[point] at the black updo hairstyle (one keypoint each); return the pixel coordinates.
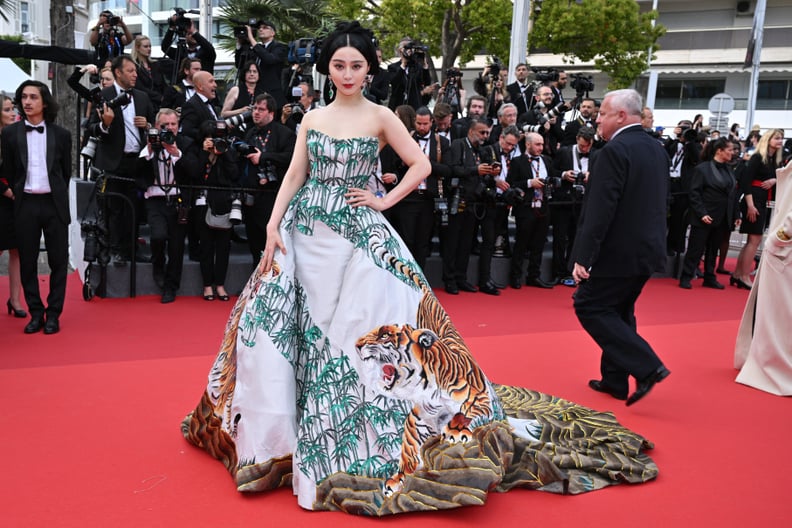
(348, 34)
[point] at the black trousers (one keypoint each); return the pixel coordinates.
(677, 217)
(215, 250)
(486, 215)
(530, 235)
(564, 219)
(605, 307)
(167, 240)
(457, 246)
(413, 219)
(703, 240)
(34, 216)
(122, 213)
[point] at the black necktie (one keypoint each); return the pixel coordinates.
(31, 128)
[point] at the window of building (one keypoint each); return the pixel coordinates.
(774, 95)
(24, 17)
(685, 94)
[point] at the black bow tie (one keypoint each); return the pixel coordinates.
(535, 158)
(424, 138)
(584, 155)
(31, 128)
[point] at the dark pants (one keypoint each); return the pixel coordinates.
(677, 217)
(605, 306)
(704, 240)
(564, 219)
(167, 238)
(256, 218)
(530, 235)
(413, 219)
(485, 213)
(34, 216)
(122, 213)
(457, 245)
(215, 249)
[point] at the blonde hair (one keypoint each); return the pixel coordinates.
(763, 147)
(134, 53)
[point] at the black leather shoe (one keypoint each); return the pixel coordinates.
(685, 284)
(515, 283)
(646, 384)
(599, 386)
(35, 325)
(734, 281)
(536, 282)
(489, 289)
(467, 287)
(452, 289)
(713, 284)
(51, 326)
(168, 297)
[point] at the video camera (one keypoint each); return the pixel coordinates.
(179, 23)
(582, 84)
(452, 74)
(495, 67)
(112, 19)
(241, 28)
(415, 53)
(545, 76)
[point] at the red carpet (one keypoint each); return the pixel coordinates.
(91, 417)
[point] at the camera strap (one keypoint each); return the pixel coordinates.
(263, 142)
(165, 164)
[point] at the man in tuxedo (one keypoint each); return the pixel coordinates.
(121, 127)
(443, 115)
(507, 116)
(268, 54)
(529, 173)
(620, 243)
(476, 109)
(177, 94)
(467, 169)
(36, 157)
(541, 121)
(520, 92)
(571, 166)
(169, 162)
(586, 118)
(413, 216)
(264, 169)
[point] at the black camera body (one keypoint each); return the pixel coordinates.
(495, 67)
(95, 246)
(114, 103)
(219, 137)
(157, 137)
(455, 203)
(513, 196)
(241, 28)
(452, 74)
(242, 148)
(545, 76)
(582, 84)
(415, 53)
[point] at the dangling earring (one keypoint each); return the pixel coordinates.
(331, 91)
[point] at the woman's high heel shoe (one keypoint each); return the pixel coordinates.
(734, 281)
(17, 313)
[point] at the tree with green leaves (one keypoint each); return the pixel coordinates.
(612, 33)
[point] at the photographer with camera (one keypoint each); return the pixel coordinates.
(268, 54)
(452, 92)
(121, 121)
(521, 91)
(530, 173)
(109, 37)
(586, 117)
(170, 159)
(467, 168)
(545, 119)
(410, 81)
(182, 41)
(214, 205)
(292, 114)
(491, 85)
(685, 153)
(267, 148)
(571, 168)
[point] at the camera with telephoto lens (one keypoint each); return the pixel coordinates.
(513, 196)
(118, 101)
(219, 137)
(158, 136)
(238, 120)
(452, 74)
(94, 236)
(89, 150)
(455, 204)
(235, 216)
(242, 148)
(551, 185)
(581, 84)
(267, 172)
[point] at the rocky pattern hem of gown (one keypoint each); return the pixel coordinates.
(363, 396)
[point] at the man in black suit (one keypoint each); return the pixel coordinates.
(529, 173)
(178, 93)
(620, 243)
(544, 119)
(264, 169)
(268, 54)
(410, 81)
(193, 45)
(122, 127)
(36, 157)
(467, 169)
(520, 92)
(413, 216)
(586, 118)
(171, 160)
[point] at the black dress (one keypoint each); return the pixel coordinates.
(756, 171)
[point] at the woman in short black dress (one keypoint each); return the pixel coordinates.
(757, 183)
(7, 237)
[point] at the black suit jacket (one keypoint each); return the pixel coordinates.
(175, 96)
(438, 158)
(271, 60)
(516, 98)
(13, 143)
(406, 89)
(464, 162)
(183, 169)
(520, 173)
(712, 192)
(109, 152)
(195, 112)
(622, 230)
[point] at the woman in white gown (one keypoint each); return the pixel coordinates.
(342, 376)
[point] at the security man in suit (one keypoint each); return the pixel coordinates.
(36, 157)
(264, 169)
(122, 129)
(620, 243)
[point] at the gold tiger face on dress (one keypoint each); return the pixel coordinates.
(445, 386)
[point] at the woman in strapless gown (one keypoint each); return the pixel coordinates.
(342, 376)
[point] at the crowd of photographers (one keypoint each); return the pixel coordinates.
(193, 166)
